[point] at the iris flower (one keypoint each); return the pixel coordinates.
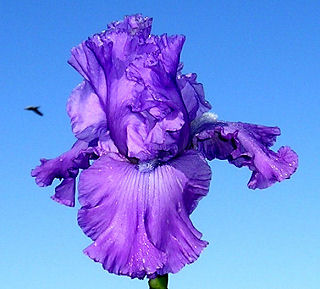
(144, 135)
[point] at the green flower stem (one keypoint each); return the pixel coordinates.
(161, 282)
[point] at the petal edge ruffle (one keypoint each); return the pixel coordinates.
(65, 167)
(245, 144)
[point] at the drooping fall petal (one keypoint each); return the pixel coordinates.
(149, 209)
(244, 144)
(65, 167)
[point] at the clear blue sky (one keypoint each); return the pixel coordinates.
(259, 63)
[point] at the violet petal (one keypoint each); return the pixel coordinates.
(85, 61)
(193, 95)
(133, 74)
(245, 144)
(65, 167)
(146, 114)
(88, 119)
(65, 192)
(139, 221)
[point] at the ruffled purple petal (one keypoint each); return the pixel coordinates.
(88, 119)
(193, 95)
(133, 24)
(198, 179)
(64, 167)
(105, 145)
(133, 75)
(245, 144)
(146, 113)
(139, 218)
(65, 192)
(86, 59)
(95, 57)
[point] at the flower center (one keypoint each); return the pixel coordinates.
(147, 166)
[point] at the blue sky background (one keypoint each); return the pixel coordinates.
(259, 63)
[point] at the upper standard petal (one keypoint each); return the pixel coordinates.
(88, 119)
(146, 114)
(192, 94)
(130, 76)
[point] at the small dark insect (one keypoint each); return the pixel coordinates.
(35, 109)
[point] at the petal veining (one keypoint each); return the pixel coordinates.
(139, 220)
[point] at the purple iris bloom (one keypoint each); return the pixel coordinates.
(143, 136)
